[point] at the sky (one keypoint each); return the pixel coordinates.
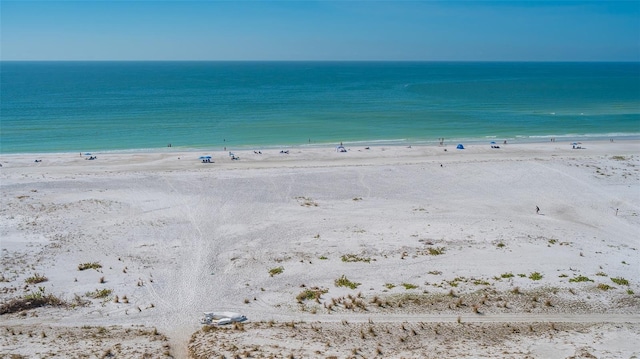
(343, 30)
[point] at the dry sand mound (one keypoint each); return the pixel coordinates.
(415, 340)
(45, 341)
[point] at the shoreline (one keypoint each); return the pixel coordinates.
(424, 236)
(350, 146)
(568, 139)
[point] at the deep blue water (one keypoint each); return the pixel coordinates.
(100, 106)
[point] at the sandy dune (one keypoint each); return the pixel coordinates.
(423, 235)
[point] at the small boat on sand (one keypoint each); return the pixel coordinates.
(222, 318)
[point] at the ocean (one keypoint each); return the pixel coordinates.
(114, 106)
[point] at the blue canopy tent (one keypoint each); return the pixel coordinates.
(460, 146)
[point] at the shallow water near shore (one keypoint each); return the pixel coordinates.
(107, 106)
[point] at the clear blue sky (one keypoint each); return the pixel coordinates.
(321, 30)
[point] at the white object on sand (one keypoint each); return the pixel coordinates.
(222, 318)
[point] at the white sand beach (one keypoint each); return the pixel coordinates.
(440, 253)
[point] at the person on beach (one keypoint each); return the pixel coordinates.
(537, 210)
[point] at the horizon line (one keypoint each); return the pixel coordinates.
(354, 61)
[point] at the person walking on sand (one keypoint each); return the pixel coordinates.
(537, 210)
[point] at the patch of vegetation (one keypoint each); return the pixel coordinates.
(456, 281)
(620, 281)
(506, 275)
(30, 301)
(209, 328)
(36, 278)
(409, 286)
(436, 251)
(323, 258)
(311, 294)
(344, 282)
(603, 286)
(553, 241)
(99, 293)
(618, 158)
(91, 265)
(500, 245)
(306, 202)
(535, 276)
(276, 270)
(562, 275)
(434, 272)
(522, 275)
(480, 282)
(602, 274)
(389, 285)
(629, 291)
(354, 258)
(580, 278)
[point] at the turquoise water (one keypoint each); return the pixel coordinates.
(102, 106)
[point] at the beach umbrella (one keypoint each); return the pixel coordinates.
(87, 154)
